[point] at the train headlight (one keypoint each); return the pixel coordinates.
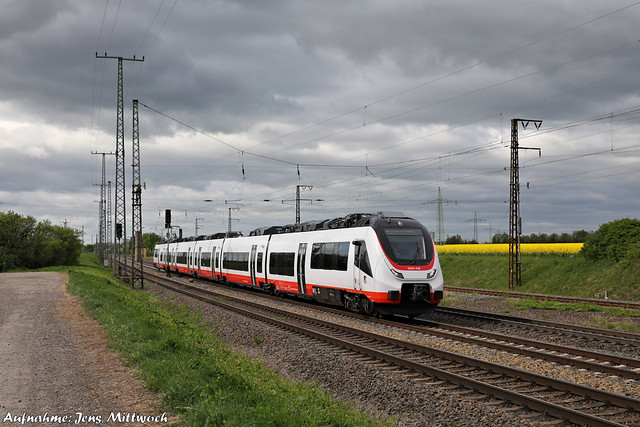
(396, 273)
(432, 274)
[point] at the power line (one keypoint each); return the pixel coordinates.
(463, 69)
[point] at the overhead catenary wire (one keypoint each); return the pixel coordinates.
(462, 180)
(298, 163)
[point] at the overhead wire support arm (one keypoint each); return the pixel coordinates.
(105, 56)
(532, 148)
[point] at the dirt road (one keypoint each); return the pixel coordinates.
(55, 367)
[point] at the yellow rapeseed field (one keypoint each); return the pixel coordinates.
(503, 248)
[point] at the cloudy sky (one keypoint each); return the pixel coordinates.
(375, 104)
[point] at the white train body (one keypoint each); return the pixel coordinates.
(386, 265)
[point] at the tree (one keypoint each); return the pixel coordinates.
(454, 240)
(580, 236)
(28, 244)
(16, 233)
(150, 240)
(500, 238)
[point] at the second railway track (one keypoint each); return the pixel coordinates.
(522, 388)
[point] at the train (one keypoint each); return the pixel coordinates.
(376, 264)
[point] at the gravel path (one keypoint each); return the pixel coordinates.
(54, 363)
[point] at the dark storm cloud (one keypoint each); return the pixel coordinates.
(393, 99)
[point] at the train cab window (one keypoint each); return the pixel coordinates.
(407, 244)
(361, 259)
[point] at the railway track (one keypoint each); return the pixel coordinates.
(561, 331)
(568, 300)
(581, 357)
(562, 400)
(624, 367)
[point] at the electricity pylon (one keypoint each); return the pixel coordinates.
(515, 222)
(102, 217)
(439, 201)
(475, 220)
(120, 209)
(137, 276)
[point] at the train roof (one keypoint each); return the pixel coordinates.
(349, 221)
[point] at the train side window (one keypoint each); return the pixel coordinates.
(206, 259)
(236, 261)
(282, 263)
(315, 255)
(342, 256)
(330, 256)
(361, 260)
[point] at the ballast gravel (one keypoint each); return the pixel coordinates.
(385, 393)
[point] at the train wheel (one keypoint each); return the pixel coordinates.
(368, 307)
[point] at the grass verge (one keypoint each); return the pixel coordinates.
(200, 378)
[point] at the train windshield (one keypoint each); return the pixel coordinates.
(407, 245)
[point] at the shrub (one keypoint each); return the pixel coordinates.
(613, 241)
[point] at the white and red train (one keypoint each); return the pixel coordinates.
(369, 263)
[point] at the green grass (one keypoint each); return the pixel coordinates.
(528, 303)
(545, 274)
(200, 378)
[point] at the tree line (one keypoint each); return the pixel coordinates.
(575, 237)
(27, 243)
(149, 242)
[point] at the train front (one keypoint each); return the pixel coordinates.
(408, 270)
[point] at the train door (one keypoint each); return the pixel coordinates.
(302, 255)
(217, 263)
(362, 267)
(252, 264)
(199, 261)
(189, 260)
(214, 262)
